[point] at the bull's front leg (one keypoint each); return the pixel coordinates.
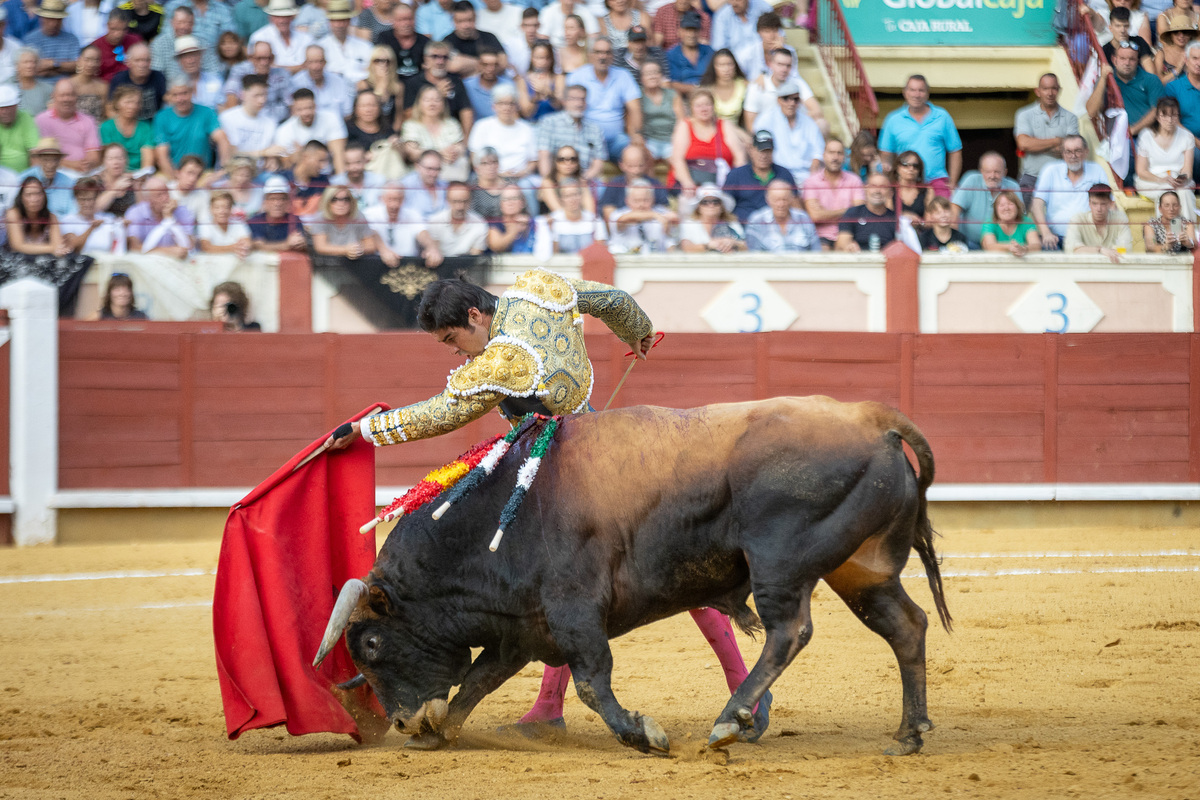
(487, 673)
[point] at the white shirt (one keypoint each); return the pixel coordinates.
(551, 20)
(87, 24)
(210, 90)
(293, 134)
(8, 60)
(368, 194)
(762, 93)
(639, 237)
(460, 241)
(516, 144)
(286, 55)
(503, 24)
(796, 143)
(108, 238)
(10, 184)
(195, 201)
(234, 233)
(350, 59)
(753, 61)
(246, 133)
(401, 235)
(1063, 198)
(518, 54)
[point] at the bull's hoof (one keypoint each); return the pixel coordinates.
(761, 719)
(426, 740)
(655, 736)
(724, 734)
(535, 730)
(910, 745)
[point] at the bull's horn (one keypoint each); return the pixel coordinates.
(351, 593)
(355, 682)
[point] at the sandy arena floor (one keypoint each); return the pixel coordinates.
(1073, 674)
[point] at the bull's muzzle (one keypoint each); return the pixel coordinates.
(429, 716)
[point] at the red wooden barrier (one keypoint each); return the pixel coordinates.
(186, 409)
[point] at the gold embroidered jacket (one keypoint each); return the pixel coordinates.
(535, 349)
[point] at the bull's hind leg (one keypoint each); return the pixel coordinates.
(879, 600)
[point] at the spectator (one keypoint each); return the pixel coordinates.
(75, 132)
(1179, 9)
(617, 23)
(1165, 154)
(276, 229)
(502, 20)
(667, 24)
(1140, 91)
(616, 107)
(573, 227)
(780, 227)
(642, 225)
(396, 226)
(22, 18)
(467, 42)
(1169, 232)
(830, 193)
(573, 54)
(977, 192)
(455, 230)
(157, 225)
(208, 87)
(1118, 23)
(364, 127)
(382, 82)
(404, 43)
(1139, 21)
(87, 19)
(308, 178)
(554, 16)
(289, 46)
(119, 300)
(798, 141)
(231, 307)
(434, 19)
(32, 226)
(127, 130)
(341, 230)
(144, 20)
(638, 53)
(184, 128)
(231, 52)
(91, 91)
(634, 168)
(724, 79)
(487, 79)
(348, 56)
(114, 45)
(279, 82)
(763, 91)
(939, 235)
(1040, 129)
(908, 180)
(47, 157)
(249, 16)
(1010, 230)
(748, 183)
(1102, 229)
(514, 231)
(187, 191)
(424, 191)
(1061, 191)
(540, 88)
(921, 126)
(8, 51)
(10, 181)
(703, 147)
(449, 86)
(712, 226)
(150, 82)
(34, 92)
(513, 139)
(364, 185)
(566, 169)
(430, 128)
(1169, 60)
(373, 22)
(247, 196)
(165, 49)
(249, 129)
(871, 226)
(518, 47)
(485, 190)
(332, 92)
(311, 19)
(223, 234)
(571, 128)
(661, 110)
(116, 181)
(688, 60)
(212, 18)
(18, 132)
(308, 122)
(57, 49)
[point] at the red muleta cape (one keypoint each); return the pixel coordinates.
(288, 547)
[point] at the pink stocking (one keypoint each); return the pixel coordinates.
(716, 628)
(549, 704)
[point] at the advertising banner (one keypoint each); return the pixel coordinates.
(970, 23)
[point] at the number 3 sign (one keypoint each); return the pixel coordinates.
(1058, 306)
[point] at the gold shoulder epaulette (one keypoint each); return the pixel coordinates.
(546, 289)
(508, 366)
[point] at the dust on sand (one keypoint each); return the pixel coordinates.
(1079, 681)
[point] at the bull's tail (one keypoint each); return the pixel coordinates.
(923, 541)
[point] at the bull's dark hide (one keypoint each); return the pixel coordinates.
(65, 273)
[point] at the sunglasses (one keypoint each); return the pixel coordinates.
(379, 61)
(710, 201)
(790, 98)
(340, 200)
(440, 56)
(909, 164)
(567, 158)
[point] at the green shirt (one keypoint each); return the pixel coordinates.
(143, 136)
(16, 142)
(1020, 235)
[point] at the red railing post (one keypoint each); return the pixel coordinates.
(832, 38)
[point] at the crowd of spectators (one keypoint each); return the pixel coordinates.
(539, 126)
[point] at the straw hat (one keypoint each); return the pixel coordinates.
(278, 8)
(711, 190)
(52, 9)
(47, 145)
(1181, 22)
(339, 9)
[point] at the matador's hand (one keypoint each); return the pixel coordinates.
(344, 441)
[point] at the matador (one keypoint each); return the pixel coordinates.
(526, 353)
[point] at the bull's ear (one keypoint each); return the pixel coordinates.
(378, 600)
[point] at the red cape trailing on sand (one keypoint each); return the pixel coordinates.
(288, 547)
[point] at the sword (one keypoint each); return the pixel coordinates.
(658, 338)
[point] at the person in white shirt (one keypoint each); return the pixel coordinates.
(89, 231)
(764, 89)
(519, 47)
(502, 20)
(365, 186)
(250, 131)
(219, 233)
(348, 56)
(455, 230)
(799, 144)
(9, 48)
(514, 139)
(287, 45)
(641, 227)
(209, 88)
(307, 124)
(555, 15)
(185, 189)
(400, 228)
(331, 91)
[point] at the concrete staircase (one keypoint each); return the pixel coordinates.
(812, 70)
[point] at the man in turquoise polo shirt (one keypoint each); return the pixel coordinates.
(184, 128)
(18, 131)
(928, 130)
(1140, 92)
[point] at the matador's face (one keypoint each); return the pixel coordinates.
(471, 340)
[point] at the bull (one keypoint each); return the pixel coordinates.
(639, 514)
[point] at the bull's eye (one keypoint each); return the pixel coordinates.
(372, 645)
